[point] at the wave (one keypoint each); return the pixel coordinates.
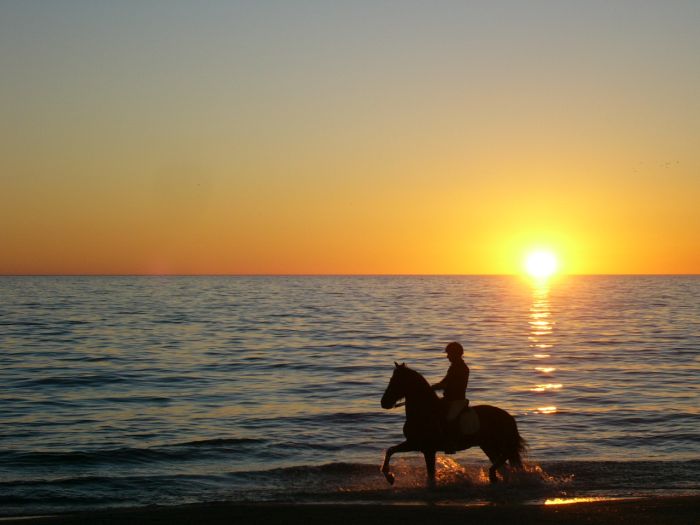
(74, 380)
(352, 483)
(668, 441)
(169, 452)
(218, 442)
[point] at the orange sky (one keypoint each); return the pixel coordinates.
(349, 139)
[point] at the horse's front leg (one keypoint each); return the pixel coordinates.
(401, 447)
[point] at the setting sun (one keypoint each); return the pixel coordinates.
(541, 264)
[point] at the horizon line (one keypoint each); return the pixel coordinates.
(340, 275)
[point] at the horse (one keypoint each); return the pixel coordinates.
(497, 435)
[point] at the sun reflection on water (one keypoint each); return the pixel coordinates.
(542, 344)
(545, 387)
(568, 501)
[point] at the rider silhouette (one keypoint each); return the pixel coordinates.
(454, 386)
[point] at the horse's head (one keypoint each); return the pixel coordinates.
(397, 386)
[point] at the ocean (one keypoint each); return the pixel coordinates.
(128, 391)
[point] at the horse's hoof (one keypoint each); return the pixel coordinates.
(389, 477)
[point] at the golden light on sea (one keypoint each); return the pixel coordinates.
(568, 501)
(545, 387)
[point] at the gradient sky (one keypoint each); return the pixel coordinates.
(364, 137)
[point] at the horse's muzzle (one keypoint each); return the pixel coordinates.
(388, 403)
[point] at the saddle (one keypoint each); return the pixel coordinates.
(468, 422)
(466, 418)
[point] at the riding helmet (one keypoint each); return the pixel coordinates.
(455, 349)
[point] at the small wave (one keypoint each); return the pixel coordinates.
(138, 400)
(652, 439)
(628, 476)
(92, 492)
(75, 380)
(334, 469)
(219, 442)
(364, 418)
(22, 323)
(192, 450)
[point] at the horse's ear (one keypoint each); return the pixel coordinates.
(396, 365)
(403, 365)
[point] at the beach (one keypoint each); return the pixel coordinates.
(669, 511)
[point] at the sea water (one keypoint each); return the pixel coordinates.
(163, 390)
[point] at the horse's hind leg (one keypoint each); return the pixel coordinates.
(497, 461)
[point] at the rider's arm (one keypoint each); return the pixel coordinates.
(447, 380)
(440, 385)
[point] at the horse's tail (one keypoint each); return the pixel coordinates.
(517, 447)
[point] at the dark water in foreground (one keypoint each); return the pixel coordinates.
(140, 390)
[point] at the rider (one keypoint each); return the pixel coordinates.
(454, 386)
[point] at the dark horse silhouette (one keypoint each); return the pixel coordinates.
(497, 435)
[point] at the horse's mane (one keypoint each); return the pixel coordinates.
(420, 380)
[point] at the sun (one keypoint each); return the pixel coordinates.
(541, 264)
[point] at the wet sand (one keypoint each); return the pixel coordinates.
(672, 510)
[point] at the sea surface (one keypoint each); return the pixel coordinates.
(119, 391)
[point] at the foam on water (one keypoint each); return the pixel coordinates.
(463, 483)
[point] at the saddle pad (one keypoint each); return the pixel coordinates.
(456, 408)
(469, 422)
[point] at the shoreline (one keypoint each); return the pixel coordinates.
(667, 510)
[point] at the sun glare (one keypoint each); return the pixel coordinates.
(541, 264)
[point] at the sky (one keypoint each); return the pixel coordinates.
(315, 137)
